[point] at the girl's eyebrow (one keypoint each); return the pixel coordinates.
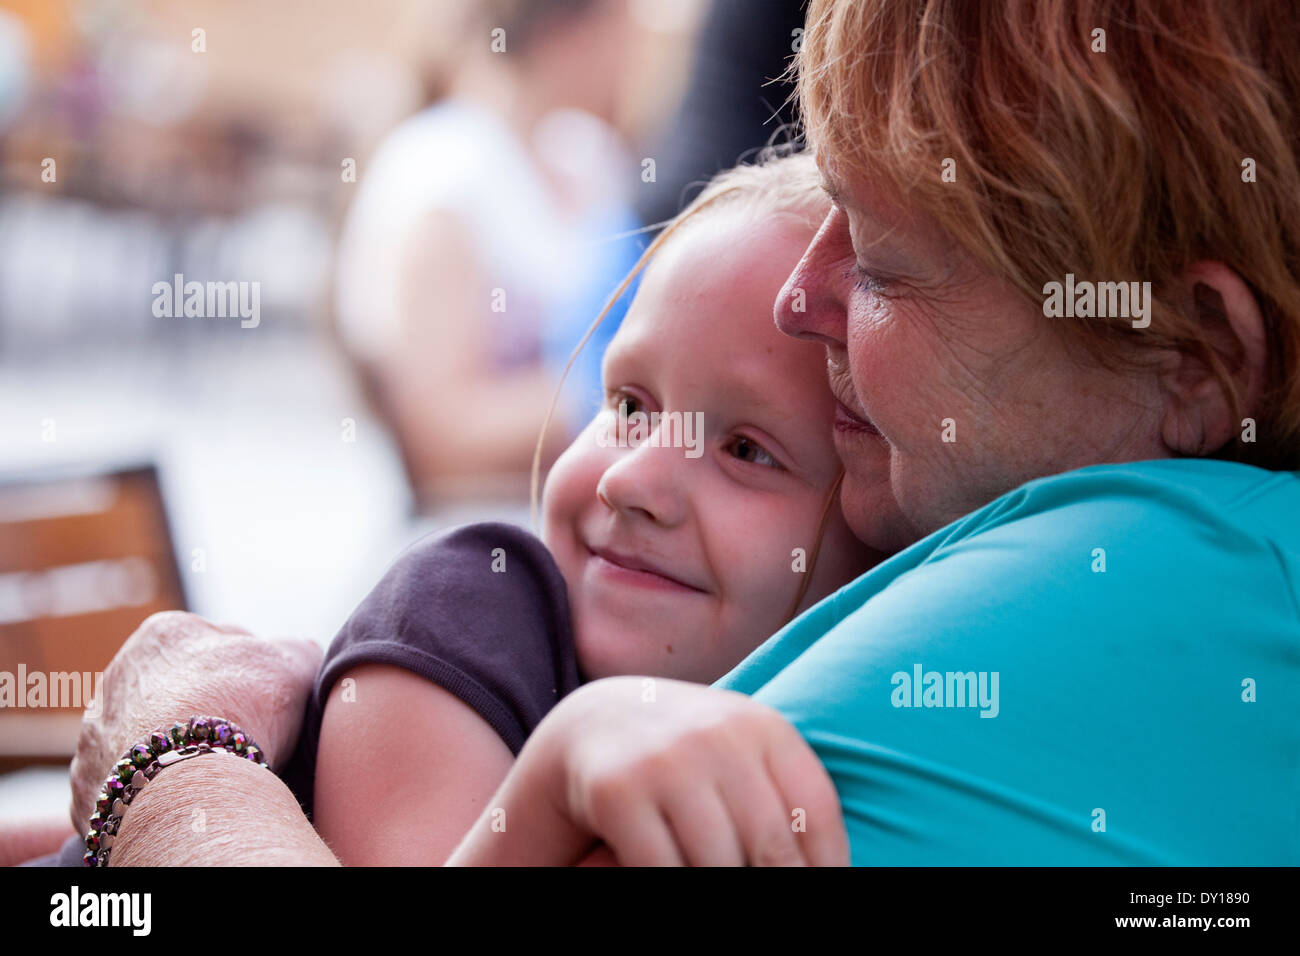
(746, 396)
(745, 392)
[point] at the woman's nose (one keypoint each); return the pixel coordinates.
(646, 483)
(812, 302)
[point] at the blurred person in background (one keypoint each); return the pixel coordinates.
(734, 103)
(479, 248)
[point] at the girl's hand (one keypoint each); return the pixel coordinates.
(664, 773)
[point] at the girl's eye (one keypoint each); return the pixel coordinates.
(625, 404)
(751, 451)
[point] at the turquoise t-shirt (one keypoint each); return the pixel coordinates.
(1100, 667)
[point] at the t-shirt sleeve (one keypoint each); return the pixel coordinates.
(1075, 686)
(482, 612)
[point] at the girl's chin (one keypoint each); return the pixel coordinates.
(612, 645)
(597, 659)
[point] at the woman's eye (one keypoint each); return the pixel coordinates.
(751, 451)
(866, 281)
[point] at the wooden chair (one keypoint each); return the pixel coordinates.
(84, 558)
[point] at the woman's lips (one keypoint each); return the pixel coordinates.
(846, 421)
(630, 570)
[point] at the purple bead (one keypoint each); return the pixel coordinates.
(140, 755)
(199, 728)
(239, 741)
(96, 821)
(103, 804)
(159, 743)
(253, 753)
(114, 790)
(221, 734)
(177, 734)
(90, 859)
(92, 842)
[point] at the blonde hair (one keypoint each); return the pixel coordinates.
(1126, 163)
(780, 182)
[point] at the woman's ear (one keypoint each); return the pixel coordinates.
(1198, 415)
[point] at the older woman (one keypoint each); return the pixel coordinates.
(1084, 650)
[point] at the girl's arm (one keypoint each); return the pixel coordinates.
(687, 774)
(403, 770)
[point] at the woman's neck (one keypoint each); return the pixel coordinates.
(498, 88)
(520, 97)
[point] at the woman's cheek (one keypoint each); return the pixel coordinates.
(886, 361)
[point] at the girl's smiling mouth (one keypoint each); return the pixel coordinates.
(629, 569)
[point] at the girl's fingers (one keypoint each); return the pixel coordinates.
(703, 826)
(759, 812)
(804, 785)
(601, 856)
(638, 834)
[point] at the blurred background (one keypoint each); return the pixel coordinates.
(285, 286)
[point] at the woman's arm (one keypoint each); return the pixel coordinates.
(459, 416)
(217, 810)
(214, 809)
(403, 769)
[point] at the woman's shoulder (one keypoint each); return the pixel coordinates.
(1151, 499)
(449, 134)
(1139, 542)
(450, 156)
(1179, 530)
(1125, 615)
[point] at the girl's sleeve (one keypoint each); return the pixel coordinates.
(482, 612)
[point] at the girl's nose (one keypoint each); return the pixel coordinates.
(812, 304)
(646, 483)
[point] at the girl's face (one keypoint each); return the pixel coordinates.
(683, 549)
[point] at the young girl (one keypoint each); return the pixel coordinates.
(694, 517)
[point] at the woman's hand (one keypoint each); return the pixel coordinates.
(664, 773)
(176, 665)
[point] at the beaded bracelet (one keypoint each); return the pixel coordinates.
(144, 761)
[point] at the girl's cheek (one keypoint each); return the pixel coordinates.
(754, 568)
(786, 561)
(572, 482)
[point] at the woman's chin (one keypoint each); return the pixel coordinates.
(872, 513)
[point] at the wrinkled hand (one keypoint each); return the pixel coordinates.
(176, 665)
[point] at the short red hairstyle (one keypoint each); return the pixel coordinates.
(1122, 155)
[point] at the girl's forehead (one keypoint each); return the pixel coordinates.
(706, 316)
(712, 290)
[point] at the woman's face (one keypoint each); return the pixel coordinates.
(952, 388)
(679, 561)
